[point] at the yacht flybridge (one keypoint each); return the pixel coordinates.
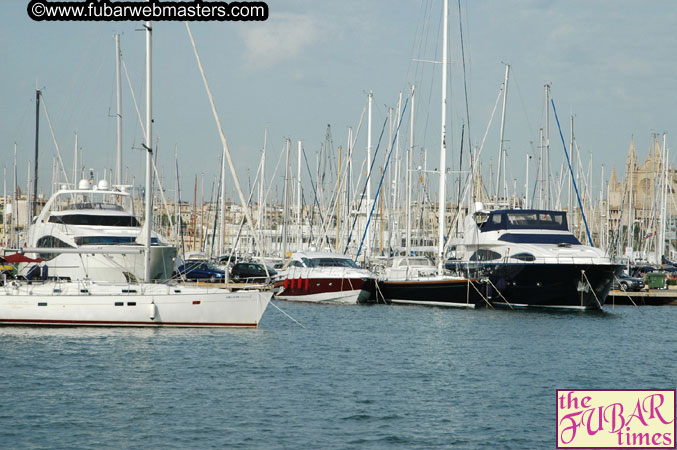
(92, 233)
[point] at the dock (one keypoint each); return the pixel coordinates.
(651, 297)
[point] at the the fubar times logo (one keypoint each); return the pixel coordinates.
(615, 418)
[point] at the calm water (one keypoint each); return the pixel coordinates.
(355, 377)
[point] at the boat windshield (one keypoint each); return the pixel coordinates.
(526, 220)
(110, 240)
(330, 262)
(415, 262)
(97, 220)
(102, 200)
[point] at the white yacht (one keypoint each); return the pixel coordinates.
(532, 260)
(324, 277)
(95, 232)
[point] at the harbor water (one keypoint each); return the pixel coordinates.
(354, 377)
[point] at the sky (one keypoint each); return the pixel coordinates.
(610, 64)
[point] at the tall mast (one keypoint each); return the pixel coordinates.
(284, 200)
(630, 210)
(118, 161)
(540, 169)
(367, 252)
(299, 236)
(443, 144)
(410, 156)
(570, 208)
(76, 178)
(501, 149)
(15, 204)
(261, 185)
(35, 164)
(339, 198)
(222, 209)
(526, 184)
(547, 146)
(397, 192)
(149, 150)
(664, 201)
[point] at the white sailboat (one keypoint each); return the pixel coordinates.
(92, 303)
(97, 303)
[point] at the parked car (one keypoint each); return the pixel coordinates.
(626, 283)
(251, 271)
(199, 270)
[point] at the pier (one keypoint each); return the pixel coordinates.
(651, 297)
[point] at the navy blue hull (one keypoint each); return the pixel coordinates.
(456, 293)
(570, 286)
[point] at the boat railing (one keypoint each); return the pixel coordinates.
(542, 260)
(327, 271)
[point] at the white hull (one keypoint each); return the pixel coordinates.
(344, 297)
(433, 303)
(137, 305)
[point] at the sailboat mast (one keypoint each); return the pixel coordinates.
(298, 199)
(501, 149)
(367, 252)
(262, 188)
(410, 156)
(547, 147)
(35, 165)
(664, 201)
(222, 209)
(118, 161)
(285, 199)
(443, 144)
(149, 150)
(76, 179)
(395, 227)
(15, 204)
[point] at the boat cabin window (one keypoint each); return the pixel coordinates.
(97, 220)
(332, 262)
(485, 255)
(51, 242)
(110, 240)
(533, 238)
(524, 256)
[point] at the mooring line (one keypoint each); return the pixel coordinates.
(592, 289)
(279, 309)
(627, 295)
(499, 293)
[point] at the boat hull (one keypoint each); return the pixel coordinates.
(326, 290)
(130, 305)
(560, 286)
(460, 293)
